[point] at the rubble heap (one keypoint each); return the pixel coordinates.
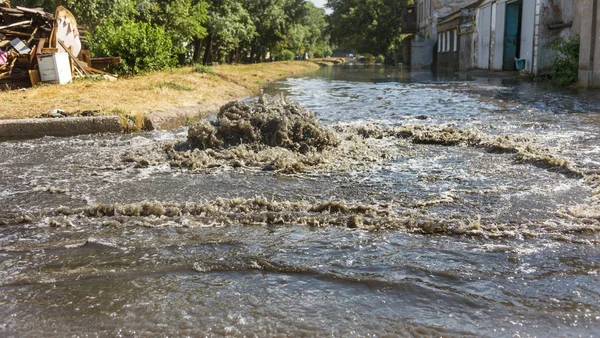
(28, 34)
(24, 33)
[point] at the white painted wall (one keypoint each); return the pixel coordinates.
(528, 33)
(499, 43)
(484, 28)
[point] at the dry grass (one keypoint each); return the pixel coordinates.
(139, 95)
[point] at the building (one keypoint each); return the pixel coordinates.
(588, 12)
(425, 41)
(504, 35)
(519, 34)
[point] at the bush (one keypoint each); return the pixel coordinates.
(565, 66)
(141, 46)
(285, 55)
(369, 58)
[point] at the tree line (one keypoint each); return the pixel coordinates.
(157, 34)
(372, 26)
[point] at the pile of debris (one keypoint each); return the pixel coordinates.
(36, 47)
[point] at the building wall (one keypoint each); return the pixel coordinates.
(422, 52)
(499, 24)
(428, 12)
(551, 12)
(448, 47)
(528, 25)
(466, 51)
(589, 54)
(425, 18)
(483, 36)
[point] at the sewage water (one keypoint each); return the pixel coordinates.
(419, 240)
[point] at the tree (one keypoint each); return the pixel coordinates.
(366, 25)
(230, 28)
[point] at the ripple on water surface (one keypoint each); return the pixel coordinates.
(447, 209)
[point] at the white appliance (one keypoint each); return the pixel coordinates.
(55, 68)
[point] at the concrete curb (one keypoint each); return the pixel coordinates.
(171, 119)
(24, 129)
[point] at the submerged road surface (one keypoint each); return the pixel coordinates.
(449, 208)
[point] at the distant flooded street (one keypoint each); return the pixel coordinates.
(447, 206)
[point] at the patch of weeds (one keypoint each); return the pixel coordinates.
(175, 86)
(130, 122)
(191, 120)
(203, 69)
(92, 79)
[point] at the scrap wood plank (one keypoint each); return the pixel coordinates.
(9, 73)
(16, 24)
(11, 10)
(104, 62)
(36, 11)
(32, 35)
(93, 70)
(9, 32)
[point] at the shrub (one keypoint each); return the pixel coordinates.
(141, 46)
(369, 58)
(285, 55)
(565, 66)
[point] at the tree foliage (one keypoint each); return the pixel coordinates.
(197, 30)
(372, 26)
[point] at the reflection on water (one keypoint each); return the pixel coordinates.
(209, 257)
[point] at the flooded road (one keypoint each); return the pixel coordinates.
(447, 208)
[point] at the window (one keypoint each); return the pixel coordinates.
(439, 43)
(455, 40)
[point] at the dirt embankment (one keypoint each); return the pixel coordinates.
(182, 92)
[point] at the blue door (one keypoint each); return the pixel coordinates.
(512, 39)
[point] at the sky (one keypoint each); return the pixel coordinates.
(319, 3)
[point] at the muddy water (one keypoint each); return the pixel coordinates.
(449, 208)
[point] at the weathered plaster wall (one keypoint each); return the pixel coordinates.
(497, 61)
(467, 51)
(432, 10)
(446, 7)
(422, 52)
(528, 33)
(589, 54)
(551, 12)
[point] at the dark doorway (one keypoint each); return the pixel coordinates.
(512, 35)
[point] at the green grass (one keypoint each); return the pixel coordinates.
(200, 68)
